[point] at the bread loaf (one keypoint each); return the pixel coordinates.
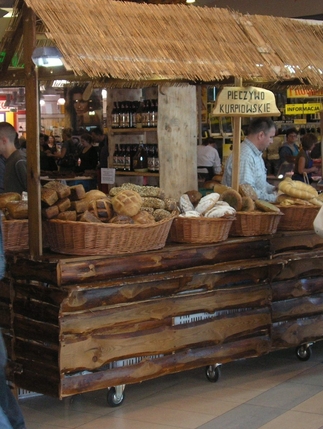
(62, 190)
(160, 214)
(102, 209)
(297, 189)
(63, 204)
(246, 190)
(143, 191)
(207, 202)
(68, 215)
(154, 202)
(88, 217)
(127, 203)
(77, 192)
(122, 220)
(233, 198)
(50, 212)
(143, 218)
(194, 196)
(82, 205)
(48, 196)
(18, 209)
(8, 196)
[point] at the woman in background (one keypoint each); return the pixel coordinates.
(304, 166)
(88, 157)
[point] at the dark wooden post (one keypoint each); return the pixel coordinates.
(32, 133)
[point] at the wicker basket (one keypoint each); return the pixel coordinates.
(200, 230)
(84, 238)
(248, 224)
(15, 235)
(297, 218)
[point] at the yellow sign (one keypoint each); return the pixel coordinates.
(304, 92)
(245, 101)
(302, 109)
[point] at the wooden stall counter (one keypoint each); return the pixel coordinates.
(76, 324)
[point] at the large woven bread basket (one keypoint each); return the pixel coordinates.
(15, 235)
(200, 229)
(298, 217)
(85, 238)
(248, 224)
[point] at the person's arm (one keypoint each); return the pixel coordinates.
(21, 172)
(301, 166)
(217, 167)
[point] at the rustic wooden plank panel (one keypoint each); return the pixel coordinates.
(125, 319)
(170, 364)
(119, 291)
(5, 314)
(5, 290)
(42, 292)
(170, 258)
(296, 288)
(295, 240)
(35, 330)
(39, 383)
(37, 354)
(297, 307)
(39, 310)
(81, 352)
(295, 332)
(29, 269)
(301, 265)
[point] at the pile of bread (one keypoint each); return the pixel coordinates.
(223, 201)
(294, 192)
(73, 203)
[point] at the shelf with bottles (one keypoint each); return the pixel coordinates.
(139, 159)
(135, 173)
(134, 115)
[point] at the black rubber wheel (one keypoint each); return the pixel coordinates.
(113, 399)
(212, 373)
(304, 352)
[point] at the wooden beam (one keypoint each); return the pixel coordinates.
(32, 132)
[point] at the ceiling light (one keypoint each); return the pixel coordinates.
(47, 56)
(190, 1)
(61, 101)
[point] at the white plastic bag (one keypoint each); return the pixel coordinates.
(318, 223)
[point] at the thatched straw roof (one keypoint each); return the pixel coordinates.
(136, 42)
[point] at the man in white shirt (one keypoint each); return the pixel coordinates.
(208, 160)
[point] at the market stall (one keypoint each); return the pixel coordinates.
(79, 323)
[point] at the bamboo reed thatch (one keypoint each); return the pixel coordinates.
(136, 42)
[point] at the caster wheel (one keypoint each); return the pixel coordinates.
(113, 399)
(303, 353)
(212, 373)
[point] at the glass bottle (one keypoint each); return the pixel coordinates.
(127, 163)
(156, 160)
(115, 157)
(115, 116)
(140, 160)
(139, 115)
(151, 159)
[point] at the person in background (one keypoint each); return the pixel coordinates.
(208, 160)
(66, 158)
(2, 168)
(304, 166)
(289, 149)
(261, 133)
(10, 414)
(47, 152)
(88, 157)
(15, 174)
(99, 137)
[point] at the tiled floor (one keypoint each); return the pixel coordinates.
(269, 392)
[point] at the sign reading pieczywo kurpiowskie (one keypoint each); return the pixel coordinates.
(245, 101)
